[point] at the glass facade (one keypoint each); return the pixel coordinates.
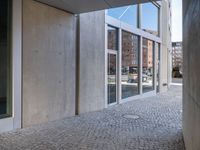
(137, 71)
(112, 64)
(130, 65)
(149, 18)
(112, 38)
(112, 78)
(127, 14)
(5, 66)
(147, 65)
(157, 59)
(146, 18)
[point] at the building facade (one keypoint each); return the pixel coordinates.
(54, 63)
(177, 55)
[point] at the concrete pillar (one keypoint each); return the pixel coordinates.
(92, 62)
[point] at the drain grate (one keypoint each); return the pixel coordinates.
(131, 116)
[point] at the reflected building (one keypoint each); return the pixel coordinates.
(147, 65)
(129, 65)
(130, 50)
(147, 53)
(112, 38)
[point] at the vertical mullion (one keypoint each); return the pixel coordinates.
(159, 23)
(106, 65)
(119, 65)
(159, 73)
(140, 64)
(139, 13)
(154, 66)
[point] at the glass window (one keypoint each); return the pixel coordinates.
(148, 66)
(149, 18)
(112, 38)
(5, 97)
(127, 14)
(112, 78)
(157, 55)
(130, 62)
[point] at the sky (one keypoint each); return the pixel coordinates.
(128, 14)
(176, 20)
(149, 17)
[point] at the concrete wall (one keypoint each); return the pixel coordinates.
(48, 63)
(92, 62)
(165, 47)
(191, 88)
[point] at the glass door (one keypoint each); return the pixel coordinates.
(112, 78)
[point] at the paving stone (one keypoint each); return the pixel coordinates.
(159, 127)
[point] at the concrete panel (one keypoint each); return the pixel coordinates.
(191, 90)
(48, 63)
(165, 46)
(92, 62)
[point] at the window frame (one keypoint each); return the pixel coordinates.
(109, 21)
(158, 6)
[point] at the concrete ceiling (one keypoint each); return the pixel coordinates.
(81, 6)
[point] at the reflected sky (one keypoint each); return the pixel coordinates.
(149, 17)
(128, 14)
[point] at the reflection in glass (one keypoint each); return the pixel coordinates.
(130, 59)
(127, 14)
(149, 18)
(4, 59)
(157, 55)
(112, 78)
(148, 66)
(112, 38)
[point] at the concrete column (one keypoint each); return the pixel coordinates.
(119, 56)
(92, 62)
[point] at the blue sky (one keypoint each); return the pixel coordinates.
(176, 20)
(150, 16)
(128, 14)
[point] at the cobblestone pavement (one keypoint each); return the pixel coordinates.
(116, 128)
